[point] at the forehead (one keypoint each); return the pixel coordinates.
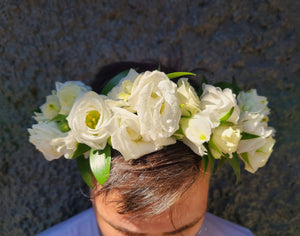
(191, 206)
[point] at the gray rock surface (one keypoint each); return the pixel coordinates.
(46, 41)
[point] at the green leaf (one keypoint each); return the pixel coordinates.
(235, 87)
(179, 74)
(244, 156)
(211, 163)
(221, 162)
(114, 81)
(223, 85)
(62, 122)
(59, 117)
(179, 134)
(189, 116)
(227, 116)
(246, 136)
(38, 110)
(205, 162)
(211, 144)
(158, 68)
(100, 163)
(84, 169)
(80, 150)
(235, 164)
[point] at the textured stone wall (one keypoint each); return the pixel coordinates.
(46, 41)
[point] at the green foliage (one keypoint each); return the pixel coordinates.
(227, 116)
(80, 150)
(84, 169)
(113, 82)
(179, 74)
(235, 164)
(62, 122)
(245, 158)
(100, 164)
(233, 85)
(246, 136)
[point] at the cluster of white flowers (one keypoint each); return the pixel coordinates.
(148, 111)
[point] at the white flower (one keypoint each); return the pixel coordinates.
(260, 156)
(88, 118)
(123, 90)
(66, 145)
(124, 129)
(251, 102)
(42, 134)
(154, 97)
(251, 123)
(197, 131)
(67, 93)
(218, 103)
(51, 108)
(224, 140)
(188, 98)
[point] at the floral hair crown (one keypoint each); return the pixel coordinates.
(138, 114)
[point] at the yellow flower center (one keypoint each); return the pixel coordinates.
(202, 137)
(92, 119)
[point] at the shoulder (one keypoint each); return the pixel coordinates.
(213, 225)
(83, 223)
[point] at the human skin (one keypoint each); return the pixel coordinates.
(188, 211)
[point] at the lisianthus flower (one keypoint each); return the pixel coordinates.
(67, 93)
(42, 135)
(125, 132)
(88, 119)
(154, 97)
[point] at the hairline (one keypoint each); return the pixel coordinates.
(179, 230)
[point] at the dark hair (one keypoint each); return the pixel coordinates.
(153, 183)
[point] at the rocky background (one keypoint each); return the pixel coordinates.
(46, 41)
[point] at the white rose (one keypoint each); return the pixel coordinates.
(51, 108)
(154, 97)
(218, 103)
(197, 131)
(260, 157)
(66, 145)
(188, 98)
(224, 140)
(123, 90)
(126, 137)
(42, 134)
(67, 93)
(251, 102)
(88, 118)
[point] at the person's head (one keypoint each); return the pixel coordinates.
(161, 193)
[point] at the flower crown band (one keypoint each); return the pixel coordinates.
(138, 114)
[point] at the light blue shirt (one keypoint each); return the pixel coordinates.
(85, 224)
